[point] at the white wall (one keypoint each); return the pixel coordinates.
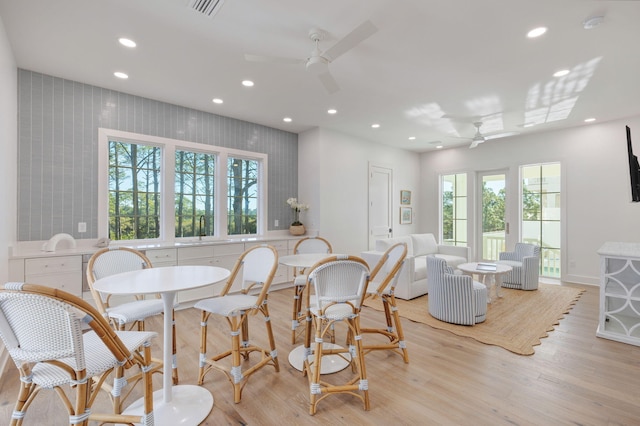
(8, 141)
(333, 179)
(596, 197)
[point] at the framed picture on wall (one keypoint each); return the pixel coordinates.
(405, 215)
(405, 197)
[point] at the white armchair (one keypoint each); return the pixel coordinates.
(456, 299)
(525, 264)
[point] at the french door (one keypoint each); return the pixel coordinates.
(493, 233)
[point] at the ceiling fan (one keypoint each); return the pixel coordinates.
(318, 60)
(479, 137)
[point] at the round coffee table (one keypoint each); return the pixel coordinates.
(487, 275)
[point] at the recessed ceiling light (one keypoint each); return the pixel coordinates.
(332, 111)
(412, 138)
(287, 119)
(528, 124)
(247, 83)
(120, 75)
(217, 101)
(438, 146)
(589, 120)
(537, 32)
(561, 73)
(127, 42)
(592, 22)
(375, 126)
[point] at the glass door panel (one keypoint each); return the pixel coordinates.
(493, 230)
(541, 214)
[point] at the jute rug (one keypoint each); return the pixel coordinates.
(516, 321)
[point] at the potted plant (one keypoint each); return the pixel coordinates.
(297, 228)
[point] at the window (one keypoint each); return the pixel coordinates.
(153, 188)
(541, 213)
(195, 191)
(454, 209)
(242, 196)
(134, 191)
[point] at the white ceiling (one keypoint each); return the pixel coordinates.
(466, 59)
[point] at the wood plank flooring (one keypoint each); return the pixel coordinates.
(574, 378)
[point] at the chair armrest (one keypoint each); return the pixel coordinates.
(460, 251)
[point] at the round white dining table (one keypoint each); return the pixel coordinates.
(332, 363)
(172, 405)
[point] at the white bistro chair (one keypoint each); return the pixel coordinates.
(384, 277)
(42, 329)
(257, 266)
(128, 314)
(306, 245)
(340, 283)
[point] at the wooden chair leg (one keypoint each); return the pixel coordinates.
(362, 370)
(236, 372)
(174, 364)
(203, 346)
(402, 345)
(297, 312)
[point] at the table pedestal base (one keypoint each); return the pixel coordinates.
(330, 363)
(189, 405)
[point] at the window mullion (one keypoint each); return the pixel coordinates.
(168, 175)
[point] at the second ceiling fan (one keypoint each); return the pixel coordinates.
(318, 60)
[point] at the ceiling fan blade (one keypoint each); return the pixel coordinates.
(258, 58)
(500, 135)
(328, 82)
(474, 144)
(351, 40)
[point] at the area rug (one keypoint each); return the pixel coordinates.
(516, 321)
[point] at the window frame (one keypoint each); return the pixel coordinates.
(167, 186)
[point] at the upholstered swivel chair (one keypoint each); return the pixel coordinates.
(304, 246)
(384, 277)
(127, 314)
(43, 331)
(525, 264)
(453, 298)
(340, 283)
(257, 267)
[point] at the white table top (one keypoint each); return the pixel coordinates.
(303, 260)
(161, 279)
(472, 268)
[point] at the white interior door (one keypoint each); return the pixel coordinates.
(380, 203)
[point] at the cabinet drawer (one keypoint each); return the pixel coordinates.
(226, 249)
(186, 253)
(162, 255)
(52, 265)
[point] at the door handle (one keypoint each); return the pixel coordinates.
(507, 228)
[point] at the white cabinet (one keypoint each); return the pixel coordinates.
(620, 292)
(162, 257)
(63, 272)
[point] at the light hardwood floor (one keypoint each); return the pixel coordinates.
(574, 378)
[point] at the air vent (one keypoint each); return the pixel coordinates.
(206, 7)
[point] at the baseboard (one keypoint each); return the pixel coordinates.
(578, 279)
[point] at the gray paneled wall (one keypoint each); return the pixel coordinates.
(58, 123)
